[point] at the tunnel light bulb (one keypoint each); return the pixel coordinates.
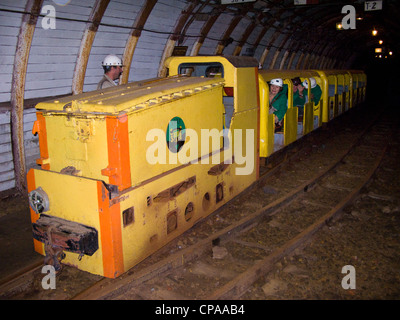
(374, 32)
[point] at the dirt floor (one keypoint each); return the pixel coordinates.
(16, 249)
(366, 238)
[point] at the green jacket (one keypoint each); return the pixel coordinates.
(297, 100)
(317, 92)
(280, 103)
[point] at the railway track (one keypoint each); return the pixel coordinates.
(222, 257)
(228, 258)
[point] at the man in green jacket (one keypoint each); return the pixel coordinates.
(316, 91)
(299, 98)
(278, 101)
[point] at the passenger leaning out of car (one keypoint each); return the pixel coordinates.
(299, 98)
(278, 101)
(316, 91)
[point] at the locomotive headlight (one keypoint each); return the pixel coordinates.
(38, 200)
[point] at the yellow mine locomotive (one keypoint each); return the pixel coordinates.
(124, 170)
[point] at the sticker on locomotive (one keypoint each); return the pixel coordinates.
(176, 134)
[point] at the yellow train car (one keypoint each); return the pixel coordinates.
(343, 89)
(296, 124)
(127, 169)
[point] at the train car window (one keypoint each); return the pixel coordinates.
(187, 71)
(212, 72)
(208, 70)
(331, 90)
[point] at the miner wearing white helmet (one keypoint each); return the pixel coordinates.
(112, 66)
(316, 91)
(278, 101)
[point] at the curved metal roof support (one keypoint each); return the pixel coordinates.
(234, 22)
(310, 60)
(203, 33)
(260, 37)
(21, 57)
(305, 61)
(332, 57)
(348, 61)
(283, 60)
(290, 62)
(267, 26)
(321, 63)
(222, 44)
(317, 56)
(173, 38)
(310, 56)
(268, 48)
(324, 56)
(328, 63)
(332, 63)
(86, 45)
(250, 28)
(264, 56)
(278, 51)
(134, 36)
(324, 62)
(292, 51)
(273, 61)
(300, 60)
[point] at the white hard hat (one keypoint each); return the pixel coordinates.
(111, 60)
(277, 82)
(313, 83)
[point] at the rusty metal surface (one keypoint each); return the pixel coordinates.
(86, 45)
(18, 90)
(134, 36)
(174, 37)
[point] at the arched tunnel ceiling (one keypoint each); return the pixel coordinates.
(280, 34)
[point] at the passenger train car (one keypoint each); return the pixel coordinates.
(125, 170)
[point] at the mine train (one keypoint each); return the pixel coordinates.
(124, 170)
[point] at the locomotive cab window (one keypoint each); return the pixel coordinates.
(208, 70)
